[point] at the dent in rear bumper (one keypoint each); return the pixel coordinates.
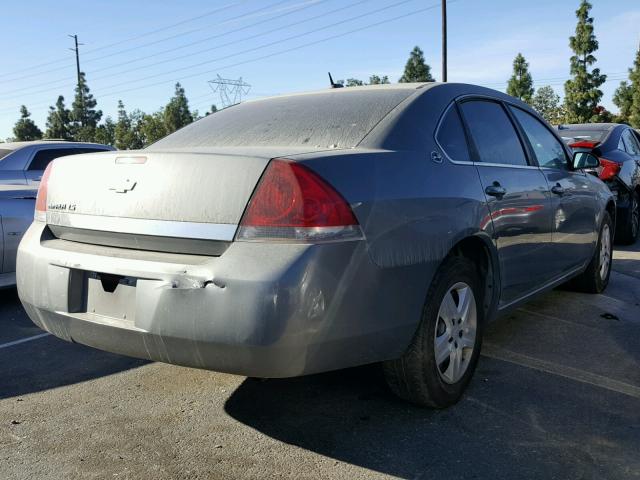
(265, 310)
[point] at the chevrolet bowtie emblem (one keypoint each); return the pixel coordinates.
(126, 186)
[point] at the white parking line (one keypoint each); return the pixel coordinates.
(495, 352)
(23, 340)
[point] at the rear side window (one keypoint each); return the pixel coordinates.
(4, 152)
(630, 142)
(44, 157)
(547, 148)
(451, 137)
(492, 132)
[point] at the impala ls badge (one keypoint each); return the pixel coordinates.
(125, 186)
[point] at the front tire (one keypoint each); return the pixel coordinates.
(441, 359)
(596, 277)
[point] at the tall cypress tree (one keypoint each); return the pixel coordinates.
(59, 121)
(84, 115)
(521, 84)
(634, 77)
(623, 99)
(177, 114)
(416, 69)
(582, 93)
(25, 129)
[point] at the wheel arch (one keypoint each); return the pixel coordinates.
(611, 209)
(480, 249)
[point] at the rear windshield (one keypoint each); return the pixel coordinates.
(571, 136)
(322, 120)
(4, 152)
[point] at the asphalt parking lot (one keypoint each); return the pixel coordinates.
(556, 395)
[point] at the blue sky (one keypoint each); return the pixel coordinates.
(137, 50)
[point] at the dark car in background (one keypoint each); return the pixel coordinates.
(23, 163)
(618, 147)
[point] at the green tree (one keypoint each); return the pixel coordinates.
(152, 127)
(84, 115)
(59, 121)
(521, 84)
(582, 92)
(213, 109)
(377, 80)
(177, 114)
(106, 132)
(623, 99)
(127, 134)
(547, 103)
(634, 76)
(416, 69)
(25, 129)
(354, 82)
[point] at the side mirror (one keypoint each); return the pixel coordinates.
(584, 160)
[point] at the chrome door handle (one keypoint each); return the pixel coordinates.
(495, 190)
(557, 189)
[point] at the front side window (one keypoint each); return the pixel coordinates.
(451, 136)
(546, 147)
(493, 134)
(630, 142)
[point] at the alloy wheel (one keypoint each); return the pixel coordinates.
(605, 252)
(455, 334)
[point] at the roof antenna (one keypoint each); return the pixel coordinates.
(333, 84)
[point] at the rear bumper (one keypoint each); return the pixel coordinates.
(264, 310)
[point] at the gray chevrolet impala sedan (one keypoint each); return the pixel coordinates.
(318, 231)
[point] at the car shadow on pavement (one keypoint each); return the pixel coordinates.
(514, 422)
(46, 362)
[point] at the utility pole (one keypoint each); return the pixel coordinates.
(444, 40)
(75, 39)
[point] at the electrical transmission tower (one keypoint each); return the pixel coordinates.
(230, 91)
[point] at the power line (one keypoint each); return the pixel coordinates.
(249, 14)
(287, 50)
(249, 50)
(270, 55)
(10, 94)
(270, 44)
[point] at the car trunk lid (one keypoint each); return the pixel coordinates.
(199, 193)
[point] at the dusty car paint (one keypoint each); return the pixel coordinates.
(278, 309)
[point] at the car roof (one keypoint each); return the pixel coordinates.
(17, 145)
(589, 126)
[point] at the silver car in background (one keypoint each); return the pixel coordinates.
(23, 163)
(319, 231)
(17, 204)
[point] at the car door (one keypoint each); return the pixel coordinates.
(517, 197)
(17, 215)
(630, 172)
(572, 197)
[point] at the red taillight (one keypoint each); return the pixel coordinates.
(584, 144)
(608, 169)
(41, 199)
(292, 202)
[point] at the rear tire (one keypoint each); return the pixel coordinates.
(451, 327)
(629, 224)
(596, 277)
